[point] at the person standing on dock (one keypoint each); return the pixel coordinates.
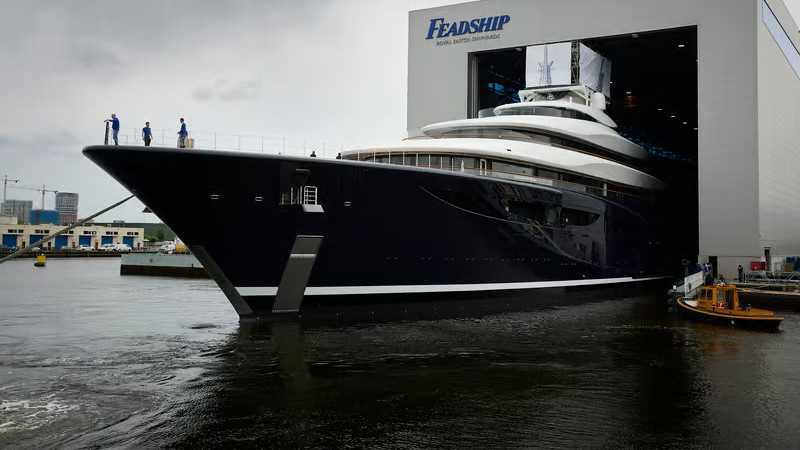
(740, 269)
(182, 133)
(147, 134)
(114, 127)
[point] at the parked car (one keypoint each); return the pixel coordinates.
(5, 248)
(166, 248)
(85, 248)
(115, 248)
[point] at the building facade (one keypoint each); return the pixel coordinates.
(20, 236)
(19, 208)
(747, 92)
(67, 204)
(44, 216)
(8, 219)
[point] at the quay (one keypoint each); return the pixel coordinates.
(64, 254)
(183, 265)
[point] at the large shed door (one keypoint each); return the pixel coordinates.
(10, 240)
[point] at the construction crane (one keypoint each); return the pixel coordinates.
(5, 185)
(42, 190)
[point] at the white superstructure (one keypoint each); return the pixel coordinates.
(539, 141)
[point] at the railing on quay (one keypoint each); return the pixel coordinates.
(768, 278)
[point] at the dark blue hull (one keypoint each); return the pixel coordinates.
(379, 232)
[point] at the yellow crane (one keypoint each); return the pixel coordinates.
(5, 185)
(42, 190)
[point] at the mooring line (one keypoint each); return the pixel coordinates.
(53, 236)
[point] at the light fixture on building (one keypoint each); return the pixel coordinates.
(681, 45)
(660, 109)
(685, 123)
(672, 116)
(628, 93)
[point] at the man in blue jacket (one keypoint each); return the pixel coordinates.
(182, 134)
(147, 134)
(114, 127)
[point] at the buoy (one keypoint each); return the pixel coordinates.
(41, 260)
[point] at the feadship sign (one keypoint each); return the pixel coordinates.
(443, 29)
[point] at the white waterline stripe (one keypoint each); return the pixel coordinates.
(430, 288)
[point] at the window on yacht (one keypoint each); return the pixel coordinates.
(547, 174)
(503, 167)
(546, 111)
(464, 163)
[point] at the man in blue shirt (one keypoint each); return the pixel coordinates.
(114, 127)
(147, 134)
(182, 134)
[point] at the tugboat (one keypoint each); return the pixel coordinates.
(721, 304)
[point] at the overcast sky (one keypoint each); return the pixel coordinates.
(303, 69)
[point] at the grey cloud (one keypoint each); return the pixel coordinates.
(55, 143)
(94, 56)
(227, 91)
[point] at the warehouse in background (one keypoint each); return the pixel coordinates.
(21, 236)
(709, 87)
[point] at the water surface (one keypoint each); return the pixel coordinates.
(89, 358)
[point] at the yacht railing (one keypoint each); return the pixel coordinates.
(233, 142)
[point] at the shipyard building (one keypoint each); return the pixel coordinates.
(709, 88)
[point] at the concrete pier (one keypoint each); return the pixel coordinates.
(161, 264)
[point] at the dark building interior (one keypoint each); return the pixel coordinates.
(653, 100)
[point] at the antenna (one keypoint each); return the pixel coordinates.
(545, 66)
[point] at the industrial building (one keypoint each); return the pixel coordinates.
(709, 88)
(67, 205)
(44, 216)
(20, 236)
(19, 208)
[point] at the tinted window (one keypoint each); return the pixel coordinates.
(546, 111)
